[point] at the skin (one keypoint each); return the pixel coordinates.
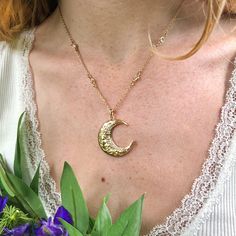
(171, 112)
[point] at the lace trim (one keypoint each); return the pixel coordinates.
(47, 186)
(202, 188)
(217, 193)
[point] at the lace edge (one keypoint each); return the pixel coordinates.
(216, 194)
(158, 229)
(28, 99)
(227, 168)
(218, 137)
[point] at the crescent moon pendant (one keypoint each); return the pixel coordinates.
(106, 142)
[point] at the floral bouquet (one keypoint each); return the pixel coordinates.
(22, 212)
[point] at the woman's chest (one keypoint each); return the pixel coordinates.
(171, 119)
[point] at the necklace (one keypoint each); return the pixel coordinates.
(105, 140)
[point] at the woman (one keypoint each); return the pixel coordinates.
(186, 149)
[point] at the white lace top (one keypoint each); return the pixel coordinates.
(208, 210)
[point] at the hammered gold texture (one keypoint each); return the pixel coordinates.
(106, 142)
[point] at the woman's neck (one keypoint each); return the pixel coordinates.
(118, 28)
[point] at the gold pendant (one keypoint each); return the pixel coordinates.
(106, 142)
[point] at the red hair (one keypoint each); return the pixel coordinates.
(17, 15)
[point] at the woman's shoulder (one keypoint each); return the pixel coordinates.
(10, 54)
(15, 45)
(9, 48)
(13, 65)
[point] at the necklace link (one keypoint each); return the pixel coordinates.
(138, 76)
(93, 81)
(104, 136)
(112, 115)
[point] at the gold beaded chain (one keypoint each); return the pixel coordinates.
(138, 74)
(104, 136)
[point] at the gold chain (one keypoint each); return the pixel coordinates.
(138, 75)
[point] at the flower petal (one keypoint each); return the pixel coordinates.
(64, 214)
(48, 228)
(3, 202)
(22, 230)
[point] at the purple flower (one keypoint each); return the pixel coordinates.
(48, 228)
(54, 227)
(64, 214)
(22, 230)
(3, 202)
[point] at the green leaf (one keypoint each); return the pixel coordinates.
(20, 151)
(35, 181)
(27, 197)
(6, 186)
(4, 164)
(70, 228)
(129, 222)
(103, 221)
(73, 200)
(91, 225)
(5, 183)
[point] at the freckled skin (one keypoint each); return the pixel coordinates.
(172, 113)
